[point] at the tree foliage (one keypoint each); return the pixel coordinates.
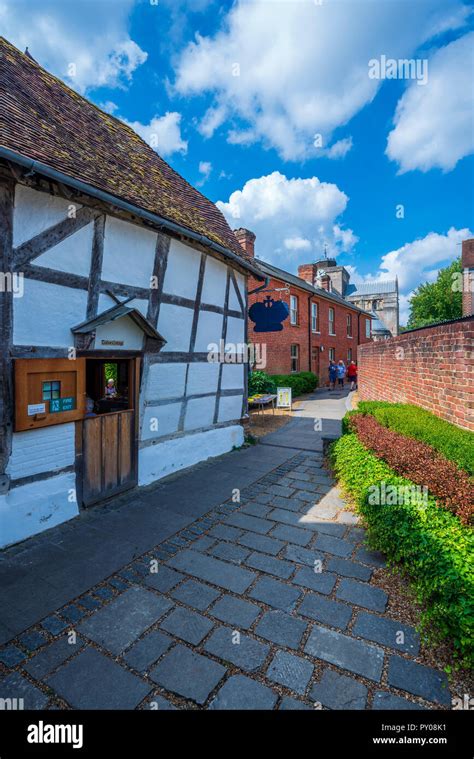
(438, 301)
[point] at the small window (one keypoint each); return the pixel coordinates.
(293, 309)
(295, 359)
(314, 317)
(349, 325)
(332, 354)
(331, 322)
(349, 355)
(51, 390)
(367, 327)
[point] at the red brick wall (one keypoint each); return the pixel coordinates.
(311, 358)
(432, 368)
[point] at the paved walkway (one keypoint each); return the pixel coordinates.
(181, 596)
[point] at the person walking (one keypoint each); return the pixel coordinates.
(332, 374)
(352, 375)
(341, 373)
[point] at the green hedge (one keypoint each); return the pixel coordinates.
(300, 382)
(452, 442)
(430, 542)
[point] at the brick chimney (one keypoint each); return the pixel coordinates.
(246, 239)
(306, 272)
(467, 263)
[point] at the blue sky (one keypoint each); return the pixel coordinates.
(272, 109)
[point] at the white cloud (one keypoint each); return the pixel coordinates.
(205, 168)
(416, 262)
(434, 123)
(303, 67)
(292, 218)
(91, 36)
(163, 133)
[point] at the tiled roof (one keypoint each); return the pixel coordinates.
(372, 288)
(43, 119)
(293, 279)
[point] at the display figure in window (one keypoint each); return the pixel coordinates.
(110, 389)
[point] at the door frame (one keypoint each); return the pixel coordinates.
(135, 366)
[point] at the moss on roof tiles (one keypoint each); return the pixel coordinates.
(43, 119)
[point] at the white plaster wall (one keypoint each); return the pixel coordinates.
(46, 313)
(41, 450)
(72, 255)
(215, 279)
(129, 253)
(36, 211)
(166, 417)
(202, 378)
(182, 270)
(233, 299)
(157, 461)
(200, 413)
(175, 324)
(124, 330)
(165, 381)
(230, 408)
(32, 508)
(235, 330)
(241, 284)
(232, 376)
(209, 330)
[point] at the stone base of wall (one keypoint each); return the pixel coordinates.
(431, 367)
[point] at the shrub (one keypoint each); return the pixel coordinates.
(452, 442)
(420, 463)
(261, 382)
(300, 382)
(433, 546)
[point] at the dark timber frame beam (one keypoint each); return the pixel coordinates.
(7, 192)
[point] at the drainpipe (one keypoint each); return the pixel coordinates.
(41, 168)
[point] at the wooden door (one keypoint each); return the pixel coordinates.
(110, 447)
(109, 461)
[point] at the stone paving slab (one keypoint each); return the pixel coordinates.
(362, 594)
(188, 674)
(261, 543)
(195, 594)
(93, 681)
(236, 612)
(281, 628)
(117, 625)
(387, 632)
(240, 692)
(147, 650)
(323, 582)
(326, 611)
(384, 700)
(15, 686)
(187, 625)
(242, 650)
(292, 671)
(213, 570)
(275, 593)
(345, 652)
(339, 691)
(420, 680)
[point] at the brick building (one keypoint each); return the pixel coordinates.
(321, 325)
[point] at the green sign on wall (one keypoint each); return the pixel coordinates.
(62, 404)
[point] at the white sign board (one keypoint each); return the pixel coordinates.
(283, 397)
(36, 408)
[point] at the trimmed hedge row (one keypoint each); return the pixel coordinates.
(300, 382)
(420, 463)
(433, 546)
(452, 442)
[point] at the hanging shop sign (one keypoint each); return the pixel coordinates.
(284, 397)
(268, 315)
